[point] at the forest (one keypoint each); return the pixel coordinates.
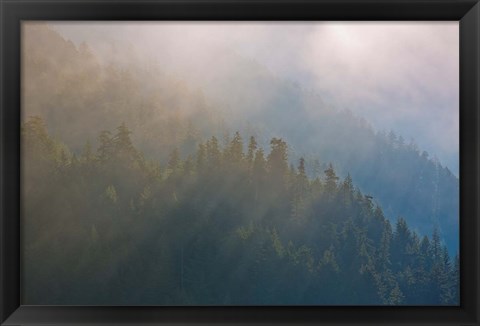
(78, 93)
(230, 223)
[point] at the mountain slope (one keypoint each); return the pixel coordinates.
(405, 180)
(78, 96)
(224, 226)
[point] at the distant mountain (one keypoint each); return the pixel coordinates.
(404, 179)
(78, 96)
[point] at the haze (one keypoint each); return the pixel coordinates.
(164, 162)
(401, 76)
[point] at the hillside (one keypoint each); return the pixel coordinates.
(406, 180)
(227, 225)
(77, 96)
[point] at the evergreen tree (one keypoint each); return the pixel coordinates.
(213, 153)
(346, 190)
(122, 139)
(330, 181)
(259, 172)
(193, 235)
(447, 286)
(106, 146)
(402, 239)
(235, 150)
(252, 148)
(300, 190)
(277, 161)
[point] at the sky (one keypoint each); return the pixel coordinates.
(401, 76)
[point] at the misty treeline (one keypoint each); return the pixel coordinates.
(230, 225)
(78, 93)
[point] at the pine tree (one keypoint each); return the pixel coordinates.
(402, 239)
(234, 152)
(195, 228)
(437, 270)
(330, 181)
(259, 165)
(122, 139)
(424, 254)
(259, 172)
(347, 190)
(302, 179)
(447, 286)
(213, 153)
(106, 147)
(385, 244)
(396, 296)
(252, 148)
(277, 161)
(300, 190)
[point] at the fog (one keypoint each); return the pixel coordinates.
(163, 162)
(400, 76)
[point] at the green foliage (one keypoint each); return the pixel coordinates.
(277, 160)
(79, 95)
(216, 226)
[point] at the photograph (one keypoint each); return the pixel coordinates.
(240, 163)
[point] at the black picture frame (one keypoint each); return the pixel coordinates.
(13, 12)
